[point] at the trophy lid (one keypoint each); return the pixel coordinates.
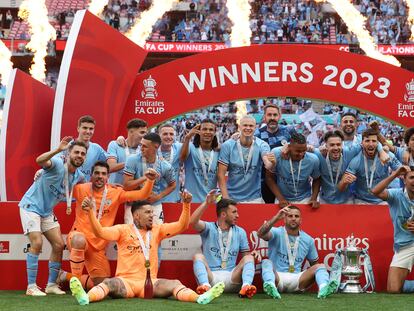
(351, 247)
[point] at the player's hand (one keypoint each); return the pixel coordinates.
(283, 213)
(256, 256)
(349, 178)
(121, 141)
(384, 157)
(410, 226)
(285, 152)
(310, 148)
(186, 196)
(235, 136)
(195, 130)
(374, 125)
(283, 203)
(271, 157)
(87, 204)
(151, 174)
(402, 170)
(37, 174)
(64, 143)
(212, 196)
(153, 198)
(314, 204)
(323, 150)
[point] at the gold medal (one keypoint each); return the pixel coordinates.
(291, 269)
(223, 265)
(147, 264)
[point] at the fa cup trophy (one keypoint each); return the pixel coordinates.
(350, 269)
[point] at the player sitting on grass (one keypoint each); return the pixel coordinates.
(288, 248)
(222, 242)
(138, 257)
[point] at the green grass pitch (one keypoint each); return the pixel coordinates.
(16, 300)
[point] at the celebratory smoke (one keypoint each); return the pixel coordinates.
(5, 63)
(356, 24)
(410, 5)
(97, 6)
(239, 14)
(143, 27)
(35, 13)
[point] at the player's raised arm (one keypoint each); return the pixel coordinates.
(380, 190)
(106, 233)
(174, 228)
(185, 149)
(264, 230)
(143, 193)
(195, 219)
(44, 159)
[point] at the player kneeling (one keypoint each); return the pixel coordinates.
(138, 257)
(221, 242)
(288, 248)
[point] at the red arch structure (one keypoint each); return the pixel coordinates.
(272, 70)
(99, 77)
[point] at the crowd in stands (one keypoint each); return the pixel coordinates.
(271, 21)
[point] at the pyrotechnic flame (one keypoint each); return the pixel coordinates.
(35, 13)
(97, 6)
(6, 65)
(241, 110)
(410, 5)
(143, 26)
(355, 22)
(239, 14)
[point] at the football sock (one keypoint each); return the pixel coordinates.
(200, 272)
(31, 264)
(321, 277)
(183, 293)
(408, 287)
(99, 292)
(248, 273)
(86, 281)
(77, 261)
(54, 268)
(267, 271)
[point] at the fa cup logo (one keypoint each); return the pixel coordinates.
(409, 97)
(149, 91)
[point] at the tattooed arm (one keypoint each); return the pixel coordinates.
(264, 230)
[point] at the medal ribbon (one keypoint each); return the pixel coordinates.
(101, 207)
(144, 246)
(292, 252)
(203, 163)
(246, 166)
(372, 170)
(328, 163)
(224, 249)
(171, 160)
(295, 185)
(68, 190)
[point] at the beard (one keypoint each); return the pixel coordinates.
(75, 163)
